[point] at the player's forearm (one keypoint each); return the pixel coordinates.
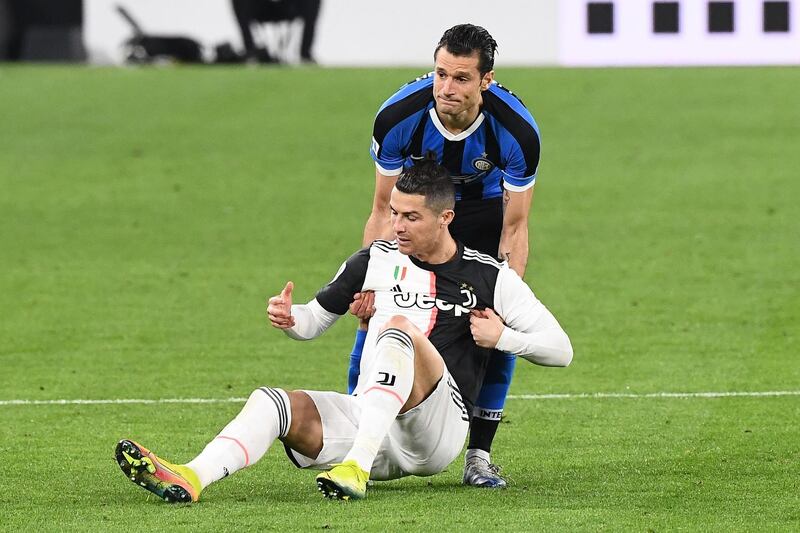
(379, 226)
(311, 321)
(514, 236)
(514, 246)
(548, 347)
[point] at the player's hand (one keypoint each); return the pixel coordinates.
(279, 308)
(486, 327)
(363, 306)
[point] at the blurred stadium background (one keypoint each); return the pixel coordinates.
(146, 212)
(354, 32)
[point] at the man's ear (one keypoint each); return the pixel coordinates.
(447, 217)
(487, 80)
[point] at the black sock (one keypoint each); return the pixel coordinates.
(481, 433)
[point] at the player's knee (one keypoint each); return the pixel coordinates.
(305, 430)
(402, 323)
(304, 411)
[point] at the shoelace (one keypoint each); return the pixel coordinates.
(483, 466)
(494, 469)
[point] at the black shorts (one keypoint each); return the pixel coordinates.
(478, 224)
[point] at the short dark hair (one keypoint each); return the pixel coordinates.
(430, 180)
(465, 39)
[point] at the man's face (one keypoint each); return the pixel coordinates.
(415, 225)
(457, 82)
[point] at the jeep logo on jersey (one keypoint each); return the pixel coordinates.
(481, 164)
(423, 301)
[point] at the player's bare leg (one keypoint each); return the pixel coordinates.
(305, 432)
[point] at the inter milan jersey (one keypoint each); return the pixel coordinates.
(499, 150)
(438, 300)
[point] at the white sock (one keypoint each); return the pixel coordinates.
(265, 417)
(387, 386)
(476, 452)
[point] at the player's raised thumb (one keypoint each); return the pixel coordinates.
(287, 291)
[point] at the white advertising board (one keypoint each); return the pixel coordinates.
(633, 41)
(529, 32)
(349, 32)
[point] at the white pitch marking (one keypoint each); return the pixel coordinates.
(626, 395)
(564, 396)
(122, 401)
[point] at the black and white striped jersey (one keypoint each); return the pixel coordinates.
(438, 300)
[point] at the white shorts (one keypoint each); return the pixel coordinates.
(422, 441)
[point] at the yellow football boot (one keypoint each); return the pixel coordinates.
(173, 483)
(344, 481)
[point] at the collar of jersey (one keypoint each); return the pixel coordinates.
(441, 266)
(452, 136)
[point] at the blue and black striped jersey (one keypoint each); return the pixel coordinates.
(499, 150)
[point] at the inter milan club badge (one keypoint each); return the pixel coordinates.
(482, 164)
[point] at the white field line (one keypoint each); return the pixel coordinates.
(625, 395)
(565, 396)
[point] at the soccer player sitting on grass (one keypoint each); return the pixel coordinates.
(440, 309)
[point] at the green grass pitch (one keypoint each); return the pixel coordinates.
(146, 214)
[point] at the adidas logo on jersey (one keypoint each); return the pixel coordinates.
(424, 301)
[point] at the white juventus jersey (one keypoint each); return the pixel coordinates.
(438, 300)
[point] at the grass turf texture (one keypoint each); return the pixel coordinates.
(147, 214)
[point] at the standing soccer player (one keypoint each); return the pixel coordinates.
(489, 142)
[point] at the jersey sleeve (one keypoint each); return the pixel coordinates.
(522, 160)
(395, 123)
(387, 146)
(311, 321)
(515, 302)
(531, 331)
(387, 156)
(518, 135)
(336, 296)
